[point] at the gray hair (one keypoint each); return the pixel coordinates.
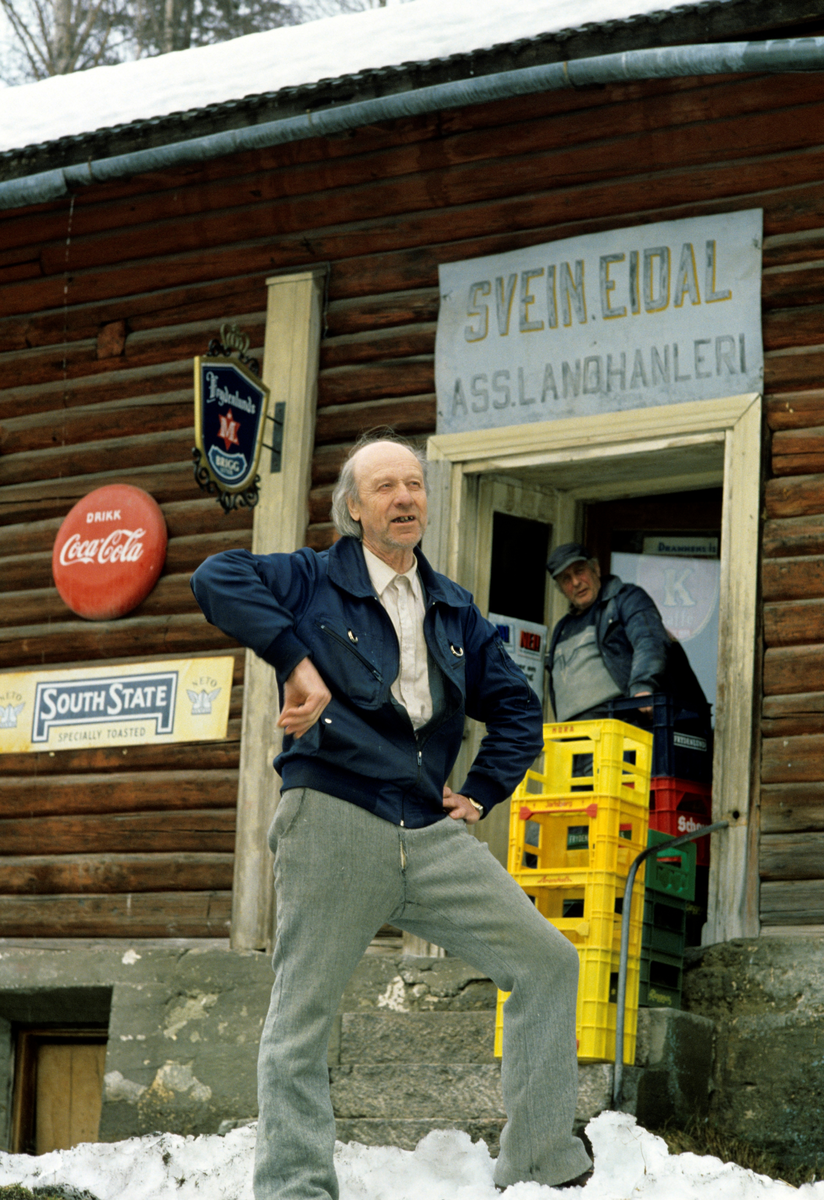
(346, 487)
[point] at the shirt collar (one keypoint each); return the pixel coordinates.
(382, 574)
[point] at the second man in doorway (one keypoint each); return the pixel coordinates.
(612, 644)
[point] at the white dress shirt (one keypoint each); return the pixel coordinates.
(402, 597)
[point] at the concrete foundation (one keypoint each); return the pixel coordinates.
(412, 1046)
(766, 998)
(183, 1022)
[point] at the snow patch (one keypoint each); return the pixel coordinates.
(630, 1164)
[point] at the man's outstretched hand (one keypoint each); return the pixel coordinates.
(459, 807)
(305, 696)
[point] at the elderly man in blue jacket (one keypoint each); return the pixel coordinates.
(611, 644)
(379, 659)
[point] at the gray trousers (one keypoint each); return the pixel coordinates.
(341, 873)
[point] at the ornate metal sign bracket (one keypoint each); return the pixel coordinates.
(231, 339)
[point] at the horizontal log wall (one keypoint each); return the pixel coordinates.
(105, 298)
(139, 841)
(792, 577)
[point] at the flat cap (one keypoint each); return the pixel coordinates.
(565, 556)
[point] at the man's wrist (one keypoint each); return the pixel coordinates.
(479, 808)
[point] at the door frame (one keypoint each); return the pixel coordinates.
(497, 493)
(666, 448)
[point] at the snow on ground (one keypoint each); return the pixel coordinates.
(294, 55)
(630, 1164)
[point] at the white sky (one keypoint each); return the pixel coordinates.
(298, 54)
(630, 1164)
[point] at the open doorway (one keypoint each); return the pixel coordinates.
(670, 545)
(578, 463)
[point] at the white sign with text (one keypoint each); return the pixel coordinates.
(633, 318)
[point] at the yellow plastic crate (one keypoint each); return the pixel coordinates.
(621, 761)
(587, 906)
(576, 826)
(589, 831)
(597, 1009)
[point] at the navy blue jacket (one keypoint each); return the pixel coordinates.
(636, 648)
(364, 748)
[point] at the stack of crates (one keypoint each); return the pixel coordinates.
(576, 826)
(681, 784)
(670, 886)
(680, 788)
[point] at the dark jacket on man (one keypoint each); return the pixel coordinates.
(364, 749)
(637, 650)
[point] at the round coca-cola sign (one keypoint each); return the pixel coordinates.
(109, 552)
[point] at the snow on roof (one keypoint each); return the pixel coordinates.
(293, 56)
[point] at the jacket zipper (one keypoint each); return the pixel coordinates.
(343, 642)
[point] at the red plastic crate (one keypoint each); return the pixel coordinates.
(679, 806)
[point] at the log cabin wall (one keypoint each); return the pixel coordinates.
(106, 297)
(133, 842)
(792, 793)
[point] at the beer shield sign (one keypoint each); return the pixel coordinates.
(230, 414)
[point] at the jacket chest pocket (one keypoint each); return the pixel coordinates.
(613, 632)
(345, 663)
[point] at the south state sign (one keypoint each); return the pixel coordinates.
(230, 412)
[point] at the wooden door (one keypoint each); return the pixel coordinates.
(58, 1092)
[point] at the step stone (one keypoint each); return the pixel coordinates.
(457, 1091)
(594, 1091)
(405, 983)
(412, 1051)
(433, 1037)
(407, 1133)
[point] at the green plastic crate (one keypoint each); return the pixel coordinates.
(665, 925)
(671, 874)
(660, 982)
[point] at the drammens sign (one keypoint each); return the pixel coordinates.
(657, 314)
(179, 700)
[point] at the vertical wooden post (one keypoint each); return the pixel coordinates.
(290, 368)
(733, 909)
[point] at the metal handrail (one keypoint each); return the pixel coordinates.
(670, 844)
